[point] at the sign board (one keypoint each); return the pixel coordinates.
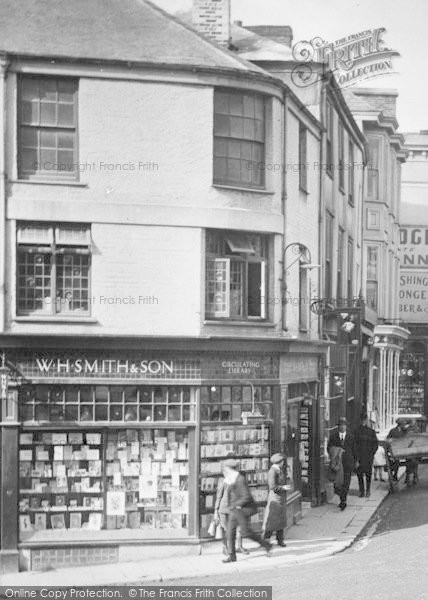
(413, 291)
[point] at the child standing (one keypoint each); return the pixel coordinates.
(379, 462)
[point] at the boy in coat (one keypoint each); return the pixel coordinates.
(341, 438)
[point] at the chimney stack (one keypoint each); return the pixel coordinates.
(211, 18)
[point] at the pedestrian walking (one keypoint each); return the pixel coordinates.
(397, 432)
(340, 437)
(379, 463)
(412, 463)
(366, 444)
(221, 514)
(241, 508)
(275, 519)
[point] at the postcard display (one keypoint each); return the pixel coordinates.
(250, 445)
(135, 479)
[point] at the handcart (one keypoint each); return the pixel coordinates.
(411, 445)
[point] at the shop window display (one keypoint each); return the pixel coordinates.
(93, 480)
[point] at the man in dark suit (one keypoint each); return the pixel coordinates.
(366, 445)
(342, 438)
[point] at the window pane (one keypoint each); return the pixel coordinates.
(66, 90)
(65, 115)
(254, 289)
(221, 103)
(30, 112)
(221, 125)
(48, 90)
(236, 104)
(66, 140)
(34, 282)
(48, 113)
(236, 288)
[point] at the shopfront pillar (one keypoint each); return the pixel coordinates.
(9, 557)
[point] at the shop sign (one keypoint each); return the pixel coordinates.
(296, 368)
(241, 366)
(413, 295)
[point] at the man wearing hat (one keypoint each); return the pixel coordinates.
(242, 507)
(342, 438)
(366, 445)
(275, 514)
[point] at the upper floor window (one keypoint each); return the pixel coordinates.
(53, 269)
(303, 174)
(47, 126)
(341, 165)
(373, 168)
(351, 175)
(239, 139)
(350, 282)
(329, 136)
(340, 257)
(329, 239)
(372, 276)
(236, 274)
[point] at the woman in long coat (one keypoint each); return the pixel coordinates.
(275, 515)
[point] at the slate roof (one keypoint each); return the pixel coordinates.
(111, 30)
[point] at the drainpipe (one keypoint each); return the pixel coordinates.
(3, 71)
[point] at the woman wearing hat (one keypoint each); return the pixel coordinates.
(275, 515)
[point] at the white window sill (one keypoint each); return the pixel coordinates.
(226, 323)
(243, 189)
(55, 319)
(67, 183)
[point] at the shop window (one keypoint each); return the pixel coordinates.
(227, 403)
(119, 404)
(135, 479)
(53, 269)
(47, 127)
(251, 445)
(239, 139)
(236, 275)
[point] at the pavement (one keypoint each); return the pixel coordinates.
(322, 532)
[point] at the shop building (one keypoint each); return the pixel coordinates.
(413, 276)
(144, 330)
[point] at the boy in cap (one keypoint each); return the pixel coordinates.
(242, 507)
(342, 438)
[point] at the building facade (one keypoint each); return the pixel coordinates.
(375, 111)
(155, 299)
(413, 306)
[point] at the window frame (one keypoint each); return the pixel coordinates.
(370, 280)
(230, 258)
(351, 174)
(341, 156)
(329, 241)
(55, 249)
(54, 173)
(350, 269)
(256, 165)
(303, 157)
(340, 262)
(329, 138)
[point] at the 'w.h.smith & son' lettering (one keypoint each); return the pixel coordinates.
(83, 366)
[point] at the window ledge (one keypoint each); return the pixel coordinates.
(243, 189)
(226, 323)
(79, 184)
(56, 319)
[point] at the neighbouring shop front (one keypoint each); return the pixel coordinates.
(302, 427)
(119, 451)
